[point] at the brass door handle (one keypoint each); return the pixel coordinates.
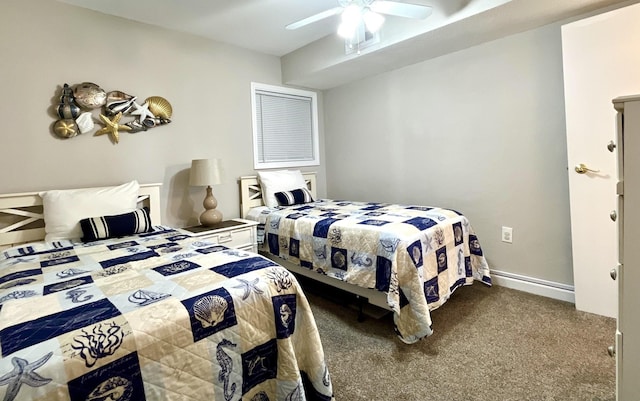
(581, 169)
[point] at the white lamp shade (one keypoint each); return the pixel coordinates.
(205, 172)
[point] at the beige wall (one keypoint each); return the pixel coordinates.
(481, 131)
(44, 44)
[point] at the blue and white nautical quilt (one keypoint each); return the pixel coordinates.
(156, 316)
(417, 255)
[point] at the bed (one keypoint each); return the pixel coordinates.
(408, 259)
(153, 315)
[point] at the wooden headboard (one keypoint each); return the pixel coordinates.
(22, 217)
(251, 193)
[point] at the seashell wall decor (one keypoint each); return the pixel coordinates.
(86, 107)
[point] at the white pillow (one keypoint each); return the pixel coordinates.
(63, 209)
(278, 181)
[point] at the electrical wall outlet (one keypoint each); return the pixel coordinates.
(507, 234)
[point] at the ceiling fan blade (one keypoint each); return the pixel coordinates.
(314, 18)
(401, 9)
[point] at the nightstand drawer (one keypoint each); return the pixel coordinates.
(231, 239)
(235, 233)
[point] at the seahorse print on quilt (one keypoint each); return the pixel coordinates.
(226, 367)
(460, 262)
(76, 296)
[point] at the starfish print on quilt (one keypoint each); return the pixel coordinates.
(23, 373)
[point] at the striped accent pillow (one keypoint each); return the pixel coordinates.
(95, 228)
(294, 197)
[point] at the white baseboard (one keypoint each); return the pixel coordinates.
(532, 285)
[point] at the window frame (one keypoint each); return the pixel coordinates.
(256, 88)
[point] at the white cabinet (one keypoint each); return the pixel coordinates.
(627, 273)
(236, 233)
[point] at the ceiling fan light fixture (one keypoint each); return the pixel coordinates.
(352, 13)
(347, 31)
(366, 16)
(351, 18)
(373, 21)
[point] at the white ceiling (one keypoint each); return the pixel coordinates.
(252, 24)
(259, 25)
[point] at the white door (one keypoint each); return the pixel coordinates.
(601, 61)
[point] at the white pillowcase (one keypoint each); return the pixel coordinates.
(63, 209)
(278, 181)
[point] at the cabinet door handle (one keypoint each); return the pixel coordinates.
(611, 146)
(613, 273)
(613, 215)
(225, 238)
(611, 350)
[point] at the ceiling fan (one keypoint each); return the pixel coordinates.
(367, 12)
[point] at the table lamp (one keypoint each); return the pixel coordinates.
(207, 172)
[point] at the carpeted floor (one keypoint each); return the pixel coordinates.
(489, 343)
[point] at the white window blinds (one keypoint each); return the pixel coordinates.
(285, 127)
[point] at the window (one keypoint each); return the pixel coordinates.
(285, 127)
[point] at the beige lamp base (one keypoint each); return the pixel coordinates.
(211, 216)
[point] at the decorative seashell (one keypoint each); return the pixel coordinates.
(85, 122)
(118, 101)
(67, 92)
(136, 126)
(67, 107)
(154, 122)
(209, 310)
(89, 95)
(160, 107)
(119, 106)
(150, 122)
(65, 128)
(118, 95)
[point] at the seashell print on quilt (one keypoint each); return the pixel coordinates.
(209, 310)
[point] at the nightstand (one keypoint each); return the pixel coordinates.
(235, 233)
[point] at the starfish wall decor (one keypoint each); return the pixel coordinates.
(78, 102)
(112, 127)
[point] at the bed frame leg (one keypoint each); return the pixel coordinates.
(362, 301)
